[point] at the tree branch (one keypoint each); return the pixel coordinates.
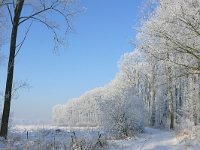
(10, 13)
(25, 18)
(25, 36)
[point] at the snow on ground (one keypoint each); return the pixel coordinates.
(153, 139)
(52, 137)
(42, 137)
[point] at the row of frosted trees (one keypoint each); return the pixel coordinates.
(81, 112)
(170, 40)
(158, 84)
(115, 107)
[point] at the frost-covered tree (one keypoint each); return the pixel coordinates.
(123, 112)
(171, 36)
(171, 30)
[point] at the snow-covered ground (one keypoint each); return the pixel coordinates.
(44, 137)
(155, 139)
(60, 138)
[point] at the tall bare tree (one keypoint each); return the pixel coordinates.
(39, 11)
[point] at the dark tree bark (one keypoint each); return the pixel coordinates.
(10, 71)
(153, 98)
(171, 97)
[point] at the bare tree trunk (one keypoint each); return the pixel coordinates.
(171, 108)
(153, 98)
(194, 99)
(171, 98)
(9, 82)
(198, 82)
(170, 93)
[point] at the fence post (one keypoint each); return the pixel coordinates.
(27, 135)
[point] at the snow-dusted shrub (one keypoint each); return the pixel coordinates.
(189, 138)
(125, 119)
(88, 143)
(123, 111)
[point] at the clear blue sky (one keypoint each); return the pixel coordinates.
(102, 35)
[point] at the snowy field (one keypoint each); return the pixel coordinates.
(42, 137)
(63, 138)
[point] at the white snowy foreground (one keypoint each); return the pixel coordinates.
(51, 138)
(155, 139)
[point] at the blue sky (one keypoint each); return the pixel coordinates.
(102, 35)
